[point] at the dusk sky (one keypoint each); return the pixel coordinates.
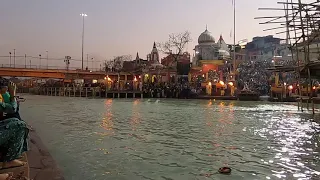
(118, 27)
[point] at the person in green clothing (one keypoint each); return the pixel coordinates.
(13, 132)
(6, 98)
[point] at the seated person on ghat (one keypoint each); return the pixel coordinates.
(13, 132)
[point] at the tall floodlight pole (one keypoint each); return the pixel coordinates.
(234, 39)
(83, 15)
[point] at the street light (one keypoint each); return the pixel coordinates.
(47, 60)
(92, 63)
(10, 58)
(25, 60)
(83, 15)
(40, 61)
(14, 58)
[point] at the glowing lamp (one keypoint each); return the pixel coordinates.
(202, 75)
(222, 83)
(290, 87)
(285, 84)
(313, 87)
(135, 79)
(230, 83)
(105, 78)
(209, 84)
(139, 77)
(109, 79)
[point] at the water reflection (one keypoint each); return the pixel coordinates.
(180, 139)
(136, 116)
(107, 121)
(295, 151)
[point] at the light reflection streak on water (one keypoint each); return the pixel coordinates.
(136, 116)
(183, 139)
(107, 121)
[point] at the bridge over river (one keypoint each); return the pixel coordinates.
(56, 73)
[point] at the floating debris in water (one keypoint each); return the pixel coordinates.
(224, 170)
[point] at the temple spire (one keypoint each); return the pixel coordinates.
(137, 57)
(206, 27)
(221, 38)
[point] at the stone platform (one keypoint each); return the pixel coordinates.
(40, 164)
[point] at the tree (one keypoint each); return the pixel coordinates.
(108, 66)
(118, 65)
(175, 46)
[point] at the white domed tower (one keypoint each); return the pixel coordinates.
(206, 38)
(154, 56)
(207, 47)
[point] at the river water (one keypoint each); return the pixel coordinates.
(167, 139)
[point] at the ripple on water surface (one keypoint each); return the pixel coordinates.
(176, 139)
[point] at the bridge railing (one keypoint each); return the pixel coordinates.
(17, 66)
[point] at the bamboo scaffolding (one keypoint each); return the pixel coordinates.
(301, 23)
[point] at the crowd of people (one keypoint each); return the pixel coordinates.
(13, 130)
(166, 90)
(255, 75)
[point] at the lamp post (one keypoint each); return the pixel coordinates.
(25, 60)
(14, 58)
(92, 60)
(40, 61)
(10, 58)
(47, 60)
(87, 61)
(83, 15)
